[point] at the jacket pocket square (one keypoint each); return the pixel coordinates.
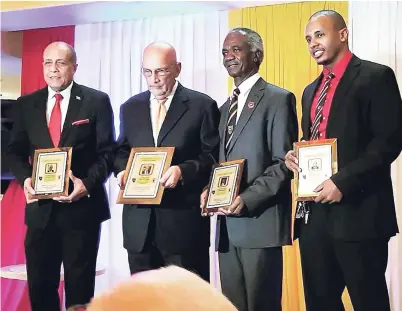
(79, 122)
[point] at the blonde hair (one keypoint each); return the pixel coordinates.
(165, 289)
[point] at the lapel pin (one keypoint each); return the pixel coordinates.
(250, 105)
(77, 97)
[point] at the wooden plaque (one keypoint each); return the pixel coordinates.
(50, 173)
(224, 184)
(145, 167)
(318, 160)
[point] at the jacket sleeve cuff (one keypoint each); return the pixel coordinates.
(346, 185)
(89, 185)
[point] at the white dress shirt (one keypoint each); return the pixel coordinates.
(51, 101)
(154, 109)
(245, 88)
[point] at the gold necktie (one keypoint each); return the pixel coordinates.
(160, 115)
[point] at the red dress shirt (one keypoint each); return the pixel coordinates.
(338, 71)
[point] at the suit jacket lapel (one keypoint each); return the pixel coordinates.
(254, 98)
(144, 124)
(74, 106)
(177, 108)
(40, 118)
(306, 120)
(344, 85)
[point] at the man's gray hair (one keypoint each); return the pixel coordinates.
(253, 39)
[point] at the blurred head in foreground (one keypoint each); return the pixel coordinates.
(165, 289)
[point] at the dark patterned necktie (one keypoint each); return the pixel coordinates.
(232, 117)
(320, 105)
(303, 208)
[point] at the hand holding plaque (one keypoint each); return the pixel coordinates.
(224, 185)
(317, 161)
(50, 173)
(141, 179)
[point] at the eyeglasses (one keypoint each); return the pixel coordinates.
(160, 72)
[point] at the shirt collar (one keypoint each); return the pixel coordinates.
(340, 67)
(247, 84)
(65, 93)
(170, 96)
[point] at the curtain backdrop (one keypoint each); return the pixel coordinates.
(110, 57)
(287, 64)
(14, 294)
(376, 35)
(33, 43)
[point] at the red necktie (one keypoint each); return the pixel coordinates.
(55, 121)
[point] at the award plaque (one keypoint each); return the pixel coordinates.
(145, 167)
(50, 173)
(318, 161)
(224, 184)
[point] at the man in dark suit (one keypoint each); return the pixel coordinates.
(344, 241)
(66, 229)
(258, 123)
(169, 115)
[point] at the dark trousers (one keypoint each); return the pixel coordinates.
(46, 250)
(152, 256)
(329, 265)
(252, 278)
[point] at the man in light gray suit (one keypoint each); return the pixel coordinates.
(258, 123)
